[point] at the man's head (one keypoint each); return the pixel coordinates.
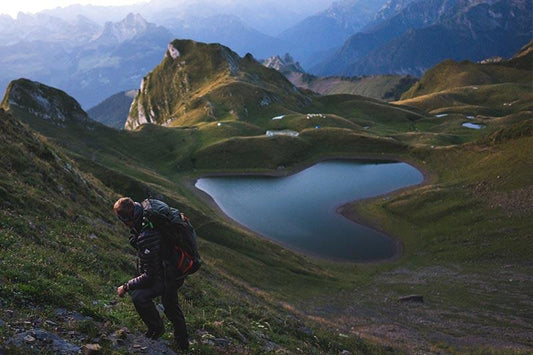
(124, 209)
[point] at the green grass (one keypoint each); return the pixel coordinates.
(466, 233)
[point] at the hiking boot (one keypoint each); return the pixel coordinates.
(156, 334)
(181, 342)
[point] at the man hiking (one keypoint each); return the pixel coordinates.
(155, 276)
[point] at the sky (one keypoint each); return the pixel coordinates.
(12, 7)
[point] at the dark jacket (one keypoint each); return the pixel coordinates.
(149, 250)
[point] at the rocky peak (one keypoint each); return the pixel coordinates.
(43, 102)
(118, 32)
(283, 64)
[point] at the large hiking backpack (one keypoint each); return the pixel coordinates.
(178, 235)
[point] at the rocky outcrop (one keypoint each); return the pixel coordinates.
(43, 101)
(285, 64)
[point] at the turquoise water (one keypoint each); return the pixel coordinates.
(299, 211)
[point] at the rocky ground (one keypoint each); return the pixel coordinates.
(62, 335)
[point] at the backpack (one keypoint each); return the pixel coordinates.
(178, 235)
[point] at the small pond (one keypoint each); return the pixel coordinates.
(473, 125)
(300, 211)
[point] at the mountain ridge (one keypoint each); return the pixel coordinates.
(462, 29)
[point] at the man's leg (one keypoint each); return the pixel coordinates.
(174, 313)
(142, 300)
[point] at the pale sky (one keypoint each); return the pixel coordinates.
(12, 7)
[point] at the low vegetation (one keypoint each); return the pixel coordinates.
(466, 232)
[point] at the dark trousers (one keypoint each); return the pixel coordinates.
(143, 301)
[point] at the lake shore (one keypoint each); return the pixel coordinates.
(347, 210)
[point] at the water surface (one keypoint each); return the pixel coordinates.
(473, 125)
(300, 211)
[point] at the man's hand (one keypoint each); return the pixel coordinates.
(121, 291)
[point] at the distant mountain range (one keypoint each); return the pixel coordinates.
(330, 28)
(423, 33)
(108, 59)
(93, 52)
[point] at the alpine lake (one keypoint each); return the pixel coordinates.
(300, 211)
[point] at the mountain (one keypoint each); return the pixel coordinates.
(43, 27)
(130, 27)
(38, 100)
(205, 82)
(114, 110)
(115, 58)
(384, 87)
(228, 30)
(486, 90)
(329, 28)
(284, 65)
(427, 32)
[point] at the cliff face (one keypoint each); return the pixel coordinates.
(205, 82)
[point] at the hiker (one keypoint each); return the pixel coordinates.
(155, 277)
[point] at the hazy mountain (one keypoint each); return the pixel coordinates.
(208, 82)
(114, 110)
(329, 28)
(426, 32)
(114, 58)
(390, 9)
(42, 27)
(267, 16)
(230, 31)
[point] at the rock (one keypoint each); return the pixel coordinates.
(2, 323)
(45, 341)
(29, 339)
(61, 312)
(270, 346)
(345, 352)
(412, 298)
(222, 341)
(50, 323)
(122, 333)
(91, 349)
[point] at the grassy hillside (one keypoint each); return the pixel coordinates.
(466, 232)
(209, 82)
(450, 74)
(68, 251)
(384, 87)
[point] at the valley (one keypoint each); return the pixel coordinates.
(466, 232)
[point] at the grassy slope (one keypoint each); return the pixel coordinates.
(467, 248)
(385, 87)
(236, 295)
(461, 242)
